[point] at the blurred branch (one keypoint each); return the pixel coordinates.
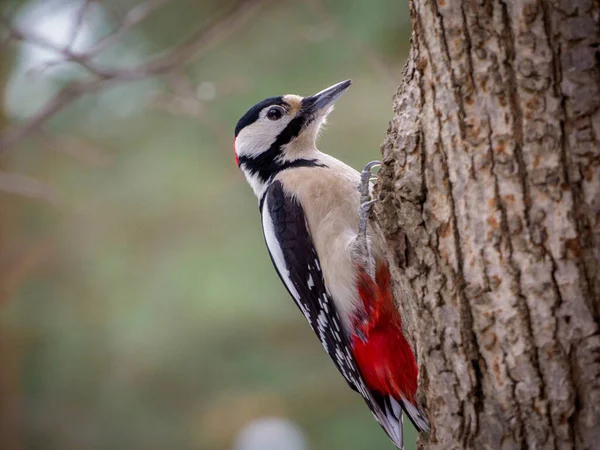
(376, 61)
(13, 183)
(84, 152)
(183, 100)
(78, 23)
(68, 55)
(177, 57)
(130, 20)
(134, 17)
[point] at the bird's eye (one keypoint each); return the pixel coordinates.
(274, 113)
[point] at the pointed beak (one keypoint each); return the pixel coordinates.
(326, 98)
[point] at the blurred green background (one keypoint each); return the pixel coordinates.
(139, 308)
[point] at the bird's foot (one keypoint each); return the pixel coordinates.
(366, 203)
(364, 212)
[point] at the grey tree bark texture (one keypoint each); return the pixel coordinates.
(490, 202)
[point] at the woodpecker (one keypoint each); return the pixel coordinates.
(314, 211)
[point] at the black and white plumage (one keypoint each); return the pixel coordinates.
(297, 264)
(309, 204)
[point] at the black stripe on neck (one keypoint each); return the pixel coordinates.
(265, 165)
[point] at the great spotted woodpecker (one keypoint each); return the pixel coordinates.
(314, 211)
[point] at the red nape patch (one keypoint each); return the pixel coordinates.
(237, 158)
(381, 351)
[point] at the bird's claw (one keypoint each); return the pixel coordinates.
(364, 211)
(365, 179)
(366, 203)
(367, 206)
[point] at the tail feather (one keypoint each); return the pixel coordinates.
(394, 413)
(388, 413)
(416, 415)
(384, 357)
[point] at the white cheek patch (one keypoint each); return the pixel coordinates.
(258, 137)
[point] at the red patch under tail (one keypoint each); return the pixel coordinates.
(385, 358)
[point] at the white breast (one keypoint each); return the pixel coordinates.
(330, 199)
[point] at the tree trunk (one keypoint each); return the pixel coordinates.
(490, 201)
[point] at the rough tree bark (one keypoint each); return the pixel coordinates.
(490, 201)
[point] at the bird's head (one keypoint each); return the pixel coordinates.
(280, 132)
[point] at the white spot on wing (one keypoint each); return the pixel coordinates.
(337, 336)
(322, 321)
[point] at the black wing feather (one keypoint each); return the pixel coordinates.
(304, 272)
(297, 263)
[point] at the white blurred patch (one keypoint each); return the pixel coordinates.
(30, 85)
(206, 91)
(270, 434)
(55, 22)
(37, 76)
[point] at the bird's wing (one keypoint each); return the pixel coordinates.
(295, 258)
